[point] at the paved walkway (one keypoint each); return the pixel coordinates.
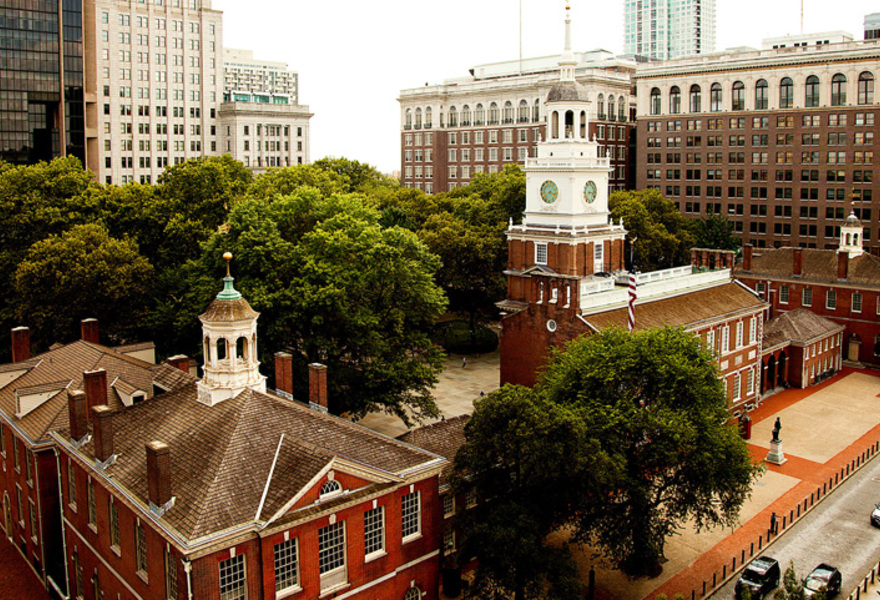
(17, 579)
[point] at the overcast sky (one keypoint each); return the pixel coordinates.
(354, 56)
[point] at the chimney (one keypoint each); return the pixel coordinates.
(695, 257)
(179, 361)
(89, 330)
(21, 344)
(103, 432)
(797, 268)
(318, 385)
(76, 411)
(95, 384)
(159, 473)
(842, 264)
(284, 375)
(747, 257)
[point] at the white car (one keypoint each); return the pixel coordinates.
(875, 516)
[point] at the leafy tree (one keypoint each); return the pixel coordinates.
(505, 191)
(793, 587)
(359, 177)
(530, 461)
(715, 232)
(663, 237)
(282, 182)
(79, 274)
(655, 405)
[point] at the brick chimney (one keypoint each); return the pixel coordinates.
(695, 257)
(284, 374)
(179, 361)
(318, 384)
(747, 257)
(89, 330)
(797, 268)
(21, 344)
(842, 264)
(95, 384)
(102, 418)
(159, 473)
(76, 412)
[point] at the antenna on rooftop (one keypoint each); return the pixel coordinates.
(802, 17)
(520, 37)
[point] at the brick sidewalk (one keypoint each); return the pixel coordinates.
(17, 580)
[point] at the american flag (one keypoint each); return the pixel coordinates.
(631, 308)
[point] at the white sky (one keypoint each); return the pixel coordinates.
(354, 56)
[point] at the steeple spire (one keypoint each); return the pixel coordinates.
(567, 62)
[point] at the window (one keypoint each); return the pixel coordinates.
(694, 99)
(93, 512)
(71, 485)
(233, 584)
(331, 555)
(170, 576)
(856, 302)
(674, 100)
(413, 593)
(470, 497)
(737, 384)
(449, 541)
(410, 519)
(786, 93)
(114, 525)
(540, 253)
(725, 339)
(78, 575)
(866, 88)
(738, 97)
(655, 101)
(811, 92)
(286, 565)
(16, 458)
(448, 505)
(783, 294)
(831, 299)
(374, 531)
(715, 97)
(761, 98)
(331, 488)
(739, 334)
(2, 439)
(140, 546)
(838, 90)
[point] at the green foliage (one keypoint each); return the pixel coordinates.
(357, 176)
(793, 587)
(457, 337)
(663, 236)
(714, 232)
(282, 182)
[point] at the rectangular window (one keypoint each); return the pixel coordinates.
(750, 382)
(470, 499)
(831, 300)
(286, 565)
(93, 512)
(3, 440)
(540, 253)
(753, 330)
(114, 525)
(710, 340)
(737, 383)
(410, 519)
(448, 505)
(32, 515)
(783, 294)
(808, 297)
(725, 339)
(233, 583)
(78, 576)
(374, 531)
(170, 576)
(449, 541)
(16, 458)
(140, 545)
(71, 485)
(331, 555)
(739, 334)
(856, 302)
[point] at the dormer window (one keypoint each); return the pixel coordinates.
(330, 489)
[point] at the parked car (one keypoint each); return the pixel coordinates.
(875, 516)
(761, 577)
(823, 578)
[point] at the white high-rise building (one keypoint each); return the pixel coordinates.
(667, 29)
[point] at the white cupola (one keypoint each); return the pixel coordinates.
(851, 236)
(229, 337)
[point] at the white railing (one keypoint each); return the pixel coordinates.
(648, 285)
(572, 163)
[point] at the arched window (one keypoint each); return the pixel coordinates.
(331, 488)
(207, 350)
(221, 349)
(465, 115)
(621, 109)
(429, 115)
(655, 101)
(695, 99)
(674, 100)
(479, 115)
(453, 117)
(583, 125)
(413, 593)
(600, 106)
(536, 113)
(554, 126)
(523, 112)
(569, 124)
(866, 88)
(408, 122)
(493, 114)
(786, 93)
(610, 108)
(508, 112)
(761, 100)
(715, 97)
(241, 348)
(838, 90)
(738, 96)
(418, 118)
(811, 92)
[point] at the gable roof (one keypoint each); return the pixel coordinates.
(63, 367)
(443, 438)
(818, 265)
(799, 326)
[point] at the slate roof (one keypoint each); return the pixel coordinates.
(443, 438)
(686, 310)
(818, 265)
(799, 326)
(66, 364)
(222, 456)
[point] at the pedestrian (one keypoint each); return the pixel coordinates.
(774, 525)
(463, 362)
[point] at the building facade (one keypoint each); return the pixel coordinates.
(42, 94)
(780, 141)
(668, 29)
(477, 124)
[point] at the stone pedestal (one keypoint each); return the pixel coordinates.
(775, 456)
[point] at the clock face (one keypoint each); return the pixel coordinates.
(590, 192)
(549, 192)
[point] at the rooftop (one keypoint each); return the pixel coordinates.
(818, 266)
(799, 326)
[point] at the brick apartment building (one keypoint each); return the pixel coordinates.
(779, 140)
(218, 489)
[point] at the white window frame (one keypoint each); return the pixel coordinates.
(725, 339)
(783, 294)
(739, 334)
(856, 305)
(737, 385)
(411, 516)
(753, 330)
(236, 586)
(710, 340)
(831, 300)
(374, 528)
(807, 298)
(288, 564)
(448, 505)
(335, 574)
(540, 253)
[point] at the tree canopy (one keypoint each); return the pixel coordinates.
(663, 236)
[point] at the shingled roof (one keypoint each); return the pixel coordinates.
(818, 265)
(61, 369)
(224, 456)
(799, 326)
(686, 310)
(443, 438)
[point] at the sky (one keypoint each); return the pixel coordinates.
(354, 56)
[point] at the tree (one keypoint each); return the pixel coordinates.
(714, 232)
(79, 274)
(793, 587)
(663, 238)
(529, 461)
(655, 405)
(506, 191)
(358, 176)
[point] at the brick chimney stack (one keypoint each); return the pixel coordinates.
(318, 384)
(842, 264)
(747, 257)
(159, 472)
(284, 374)
(179, 361)
(76, 411)
(89, 330)
(21, 344)
(797, 268)
(95, 384)
(102, 418)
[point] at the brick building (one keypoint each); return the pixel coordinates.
(218, 489)
(779, 140)
(33, 400)
(800, 349)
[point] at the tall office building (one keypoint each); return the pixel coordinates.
(667, 29)
(41, 80)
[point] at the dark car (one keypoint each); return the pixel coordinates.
(823, 578)
(761, 577)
